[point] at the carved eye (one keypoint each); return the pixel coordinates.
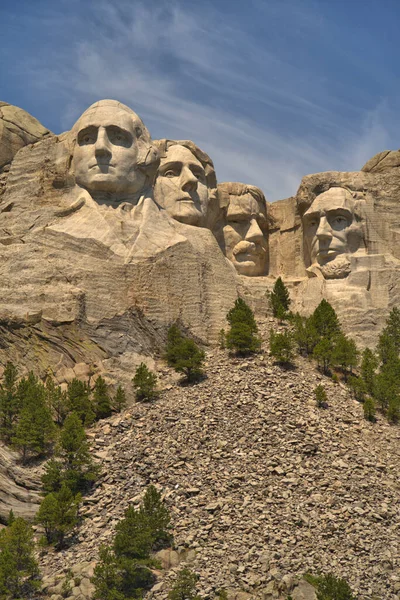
(170, 173)
(340, 221)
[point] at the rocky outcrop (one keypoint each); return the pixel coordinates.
(19, 487)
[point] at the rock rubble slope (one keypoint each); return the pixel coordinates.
(260, 482)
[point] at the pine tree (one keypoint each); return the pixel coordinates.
(34, 432)
(369, 365)
(280, 299)
(330, 587)
(119, 401)
(358, 388)
(344, 354)
(369, 409)
(325, 320)
(184, 587)
(323, 353)
(56, 401)
(144, 382)
(281, 346)
(392, 329)
(321, 398)
(79, 401)
(133, 537)
(184, 355)
(101, 399)
(242, 335)
(73, 465)
(58, 513)
(305, 334)
(19, 572)
(158, 517)
(9, 402)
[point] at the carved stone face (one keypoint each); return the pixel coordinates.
(105, 153)
(244, 238)
(330, 228)
(181, 186)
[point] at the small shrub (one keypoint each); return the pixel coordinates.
(145, 382)
(280, 300)
(321, 398)
(281, 346)
(184, 587)
(119, 401)
(184, 355)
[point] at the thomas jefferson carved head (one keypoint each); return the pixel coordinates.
(112, 154)
(333, 230)
(244, 227)
(186, 182)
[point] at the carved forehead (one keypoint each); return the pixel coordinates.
(333, 199)
(177, 153)
(245, 204)
(106, 116)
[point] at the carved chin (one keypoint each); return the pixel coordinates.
(339, 268)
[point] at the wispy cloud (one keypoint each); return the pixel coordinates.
(195, 71)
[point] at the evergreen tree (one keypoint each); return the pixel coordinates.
(184, 355)
(393, 412)
(34, 432)
(144, 382)
(9, 402)
(358, 388)
(281, 346)
(58, 513)
(330, 587)
(119, 401)
(325, 320)
(184, 587)
(344, 354)
(242, 335)
(305, 334)
(74, 465)
(369, 409)
(133, 537)
(369, 365)
(280, 299)
(323, 353)
(19, 572)
(321, 398)
(157, 516)
(79, 401)
(222, 339)
(392, 329)
(56, 401)
(101, 399)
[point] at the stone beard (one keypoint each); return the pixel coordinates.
(245, 229)
(332, 231)
(110, 148)
(185, 182)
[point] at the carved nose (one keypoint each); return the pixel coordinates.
(189, 180)
(324, 230)
(254, 232)
(102, 146)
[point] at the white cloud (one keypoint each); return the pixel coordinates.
(192, 72)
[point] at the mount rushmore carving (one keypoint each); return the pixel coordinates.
(114, 236)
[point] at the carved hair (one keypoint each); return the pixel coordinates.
(230, 188)
(208, 165)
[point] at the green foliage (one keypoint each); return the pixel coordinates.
(280, 299)
(393, 411)
(184, 355)
(184, 587)
(123, 570)
(344, 354)
(101, 399)
(145, 382)
(390, 336)
(321, 398)
(9, 402)
(242, 335)
(358, 388)
(305, 334)
(323, 353)
(223, 595)
(157, 516)
(35, 431)
(58, 514)
(325, 320)
(119, 401)
(78, 401)
(329, 587)
(56, 401)
(74, 465)
(369, 409)
(281, 346)
(19, 572)
(369, 365)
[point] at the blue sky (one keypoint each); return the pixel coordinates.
(271, 89)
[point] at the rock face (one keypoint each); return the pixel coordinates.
(17, 129)
(108, 237)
